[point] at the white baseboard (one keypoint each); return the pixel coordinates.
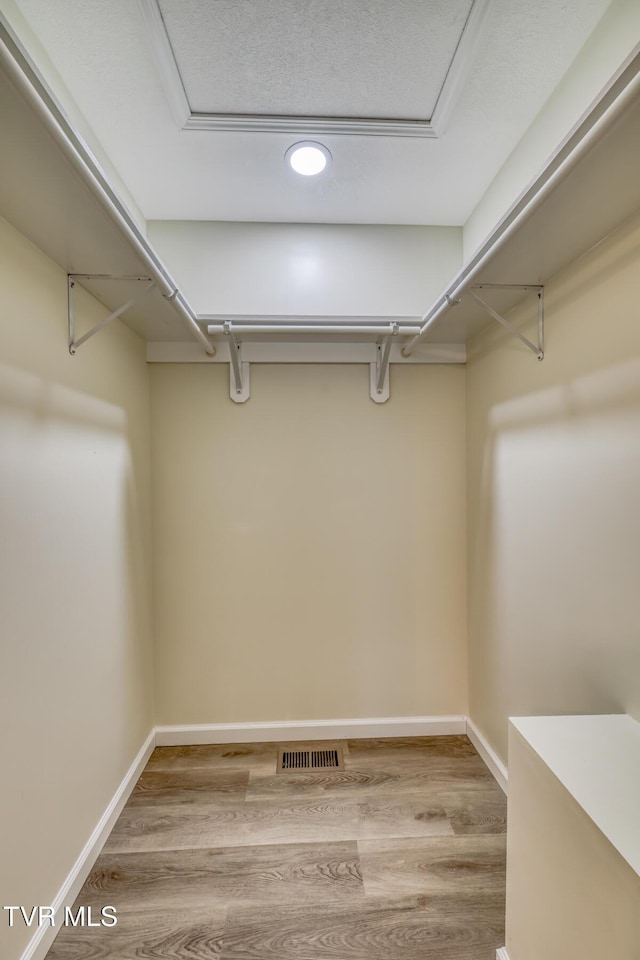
(490, 757)
(182, 735)
(41, 941)
(501, 954)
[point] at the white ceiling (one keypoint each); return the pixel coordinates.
(318, 58)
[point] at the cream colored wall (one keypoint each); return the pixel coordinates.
(610, 43)
(75, 656)
(330, 269)
(569, 892)
(554, 502)
(309, 544)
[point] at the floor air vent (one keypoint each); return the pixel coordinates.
(304, 761)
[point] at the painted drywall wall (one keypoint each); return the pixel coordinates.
(303, 268)
(309, 544)
(569, 892)
(75, 650)
(554, 502)
(610, 43)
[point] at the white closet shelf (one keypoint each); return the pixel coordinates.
(54, 192)
(588, 188)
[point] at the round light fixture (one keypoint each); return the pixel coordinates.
(308, 158)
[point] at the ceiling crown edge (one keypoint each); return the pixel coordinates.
(186, 119)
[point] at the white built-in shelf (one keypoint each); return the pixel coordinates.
(588, 188)
(46, 197)
(597, 760)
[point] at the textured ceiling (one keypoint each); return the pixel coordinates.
(103, 52)
(364, 58)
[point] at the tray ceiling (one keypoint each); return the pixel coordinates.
(144, 92)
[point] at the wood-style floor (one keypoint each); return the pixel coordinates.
(401, 856)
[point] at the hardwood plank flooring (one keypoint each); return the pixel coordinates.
(393, 815)
(461, 774)
(225, 756)
(186, 786)
(207, 824)
(148, 828)
(177, 934)
(400, 856)
(425, 928)
(480, 811)
(435, 865)
(381, 749)
(218, 875)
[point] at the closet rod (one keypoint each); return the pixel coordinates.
(251, 329)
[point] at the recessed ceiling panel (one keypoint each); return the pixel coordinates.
(327, 58)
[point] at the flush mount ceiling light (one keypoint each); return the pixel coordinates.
(308, 158)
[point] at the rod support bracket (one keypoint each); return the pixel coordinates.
(379, 388)
(239, 372)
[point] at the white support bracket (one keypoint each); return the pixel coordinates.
(239, 371)
(538, 348)
(379, 371)
(252, 328)
(71, 282)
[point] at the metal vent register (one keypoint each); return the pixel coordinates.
(326, 758)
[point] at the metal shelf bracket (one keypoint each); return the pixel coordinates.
(71, 283)
(538, 348)
(239, 373)
(379, 371)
